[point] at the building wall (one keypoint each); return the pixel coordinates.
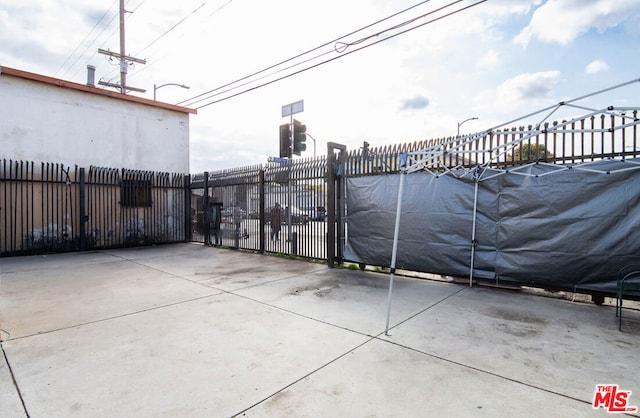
(42, 121)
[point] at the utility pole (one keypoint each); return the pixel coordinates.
(123, 58)
(123, 63)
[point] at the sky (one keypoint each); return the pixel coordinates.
(493, 60)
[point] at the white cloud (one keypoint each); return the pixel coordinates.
(527, 86)
(561, 21)
(596, 67)
(459, 63)
(507, 8)
(415, 103)
(489, 60)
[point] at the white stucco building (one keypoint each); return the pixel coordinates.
(44, 119)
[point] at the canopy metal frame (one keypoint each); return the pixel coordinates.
(432, 159)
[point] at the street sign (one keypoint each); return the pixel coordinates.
(281, 161)
(293, 108)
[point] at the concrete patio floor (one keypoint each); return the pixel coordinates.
(192, 331)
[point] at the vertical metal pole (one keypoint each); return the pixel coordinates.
(89, 206)
(289, 193)
(205, 210)
(473, 232)
(123, 61)
(394, 252)
(33, 205)
(3, 211)
(261, 211)
(12, 217)
(56, 207)
(83, 213)
(151, 184)
(47, 222)
(331, 206)
(13, 175)
(5, 204)
(340, 196)
(5, 232)
(101, 183)
(21, 183)
(112, 184)
(331, 199)
(187, 208)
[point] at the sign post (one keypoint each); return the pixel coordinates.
(290, 110)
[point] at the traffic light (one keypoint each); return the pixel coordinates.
(365, 151)
(285, 138)
(299, 137)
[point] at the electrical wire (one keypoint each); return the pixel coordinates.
(137, 7)
(114, 73)
(150, 64)
(172, 27)
(101, 45)
(340, 47)
(83, 41)
(339, 50)
(335, 58)
(343, 54)
(115, 30)
(220, 8)
(304, 53)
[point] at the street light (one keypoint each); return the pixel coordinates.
(168, 84)
(314, 144)
(466, 120)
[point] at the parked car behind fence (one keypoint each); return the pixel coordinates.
(316, 213)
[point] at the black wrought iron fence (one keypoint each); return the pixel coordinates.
(49, 207)
(38, 208)
(304, 184)
(597, 137)
(131, 207)
(268, 208)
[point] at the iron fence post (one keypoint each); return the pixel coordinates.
(332, 202)
(261, 211)
(205, 210)
(331, 206)
(83, 213)
(187, 208)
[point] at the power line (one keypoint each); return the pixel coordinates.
(107, 39)
(171, 29)
(115, 15)
(111, 75)
(220, 8)
(85, 38)
(302, 54)
(340, 47)
(122, 57)
(336, 57)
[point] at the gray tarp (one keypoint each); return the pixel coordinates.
(570, 229)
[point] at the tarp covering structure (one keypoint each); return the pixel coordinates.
(538, 224)
(550, 225)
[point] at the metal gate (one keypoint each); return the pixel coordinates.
(290, 209)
